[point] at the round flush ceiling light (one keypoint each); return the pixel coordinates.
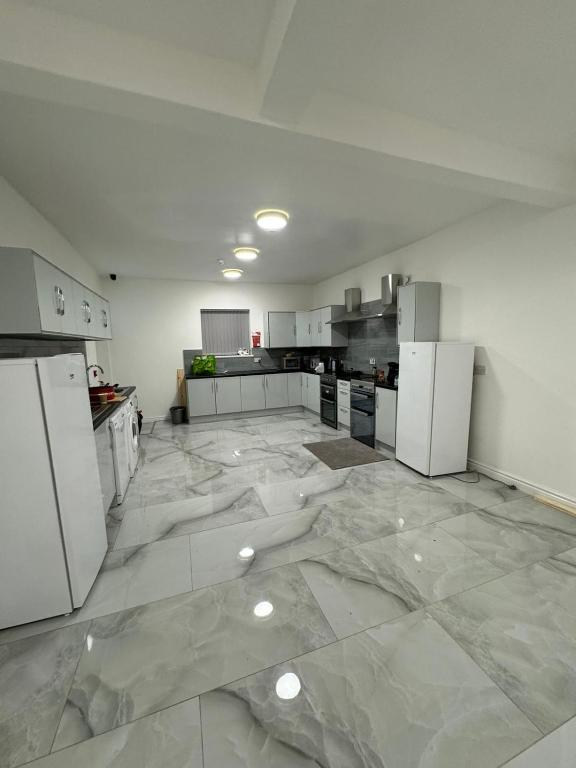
(232, 274)
(288, 686)
(246, 254)
(263, 610)
(271, 219)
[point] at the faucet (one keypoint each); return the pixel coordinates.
(95, 367)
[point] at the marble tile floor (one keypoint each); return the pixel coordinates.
(256, 609)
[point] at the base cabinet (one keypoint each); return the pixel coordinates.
(294, 388)
(253, 393)
(386, 416)
(201, 397)
(277, 390)
(311, 392)
(228, 397)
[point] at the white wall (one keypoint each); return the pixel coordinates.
(509, 284)
(22, 226)
(154, 320)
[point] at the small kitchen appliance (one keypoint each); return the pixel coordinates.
(290, 363)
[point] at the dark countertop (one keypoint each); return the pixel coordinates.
(104, 412)
(224, 374)
(345, 376)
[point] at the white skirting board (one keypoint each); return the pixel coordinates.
(238, 415)
(519, 482)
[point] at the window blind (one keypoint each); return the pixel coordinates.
(224, 331)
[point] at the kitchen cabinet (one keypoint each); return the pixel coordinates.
(201, 397)
(311, 392)
(303, 329)
(386, 416)
(277, 390)
(323, 334)
(37, 298)
(253, 393)
(343, 402)
(279, 329)
(418, 312)
(294, 388)
(228, 396)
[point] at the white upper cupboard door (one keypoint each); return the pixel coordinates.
(316, 324)
(418, 312)
(75, 467)
(280, 329)
(252, 392)
(53, 288)
(33, 578)
(201, 397)
(101, 318)
(228, 397)
(85, 310)
(294, 388)
(386, 416)
(303, 329)
(415, 400)
(277, 390)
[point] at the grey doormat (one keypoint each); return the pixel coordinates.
(346, 452)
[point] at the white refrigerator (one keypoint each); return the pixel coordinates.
(52, 526)
(434, 397)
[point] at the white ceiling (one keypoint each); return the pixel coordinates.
(375, 122)
(156, 201)
(233, 30)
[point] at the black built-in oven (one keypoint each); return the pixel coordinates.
(328, 404)
(362, 411)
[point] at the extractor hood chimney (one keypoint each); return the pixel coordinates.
(385, 307)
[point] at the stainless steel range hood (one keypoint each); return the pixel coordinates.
(384, 307)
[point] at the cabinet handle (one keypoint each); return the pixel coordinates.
(104, 318)
(89, 310)
(399, 315)
(62, 303)
(309, 329)
(377, 399)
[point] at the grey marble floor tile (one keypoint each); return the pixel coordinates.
(385, 472)
(148, 658)
(520, 629)
(557, 750)
(300, 436)
(516, 533)
(484, 493)
(410, 505)
(155, 491)
(375, 582)
(35, 675)
(403, 695)
(212, 479)
(170, 739)
(178, 518)
(323, 488)
(128, 577)
(282, 539)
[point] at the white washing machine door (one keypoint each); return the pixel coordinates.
(133, 441)
(118, 427)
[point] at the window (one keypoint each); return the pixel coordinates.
(224, 331)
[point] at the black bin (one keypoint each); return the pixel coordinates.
(177, 413)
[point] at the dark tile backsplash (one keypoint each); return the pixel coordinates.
(366, 339)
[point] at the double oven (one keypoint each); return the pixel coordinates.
(328, 404)
(363, 410)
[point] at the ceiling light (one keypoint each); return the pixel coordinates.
(246, 553)
(263, 610)
(246, 254)
(271, 219)
(232, 274)
(288, 686)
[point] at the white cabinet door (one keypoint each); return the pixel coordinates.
(316, 324)
(303, 329)
(277, 390)
(201, 397)
(294, 388)
(314, 393)
(51, 289)
(84, 310)
(386, 416)
(252, 393)
(228, 397)
(406, 312)
(344, 415)
(101, 318)
(325, 331)
(281, 329)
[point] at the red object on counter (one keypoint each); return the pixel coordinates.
(256, 339)
(95, 393)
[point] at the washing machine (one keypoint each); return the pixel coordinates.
(119, 428)
(133, 435)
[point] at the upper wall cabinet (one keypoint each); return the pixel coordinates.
(38, 298)
(419, 312)
(313, 328)
(279, 329)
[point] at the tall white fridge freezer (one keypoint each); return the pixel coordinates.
(52, 527)
(434, 398)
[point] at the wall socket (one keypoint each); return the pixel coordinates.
(479, 370)
(372, 361)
